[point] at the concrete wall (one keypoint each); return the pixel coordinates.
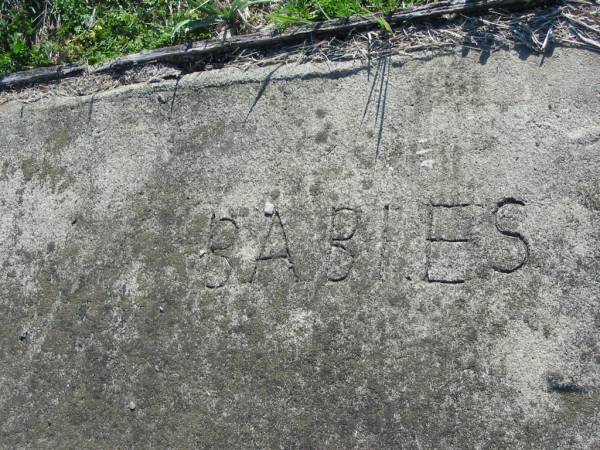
(307, 257)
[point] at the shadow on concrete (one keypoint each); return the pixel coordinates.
(380, 85)
(262, 89)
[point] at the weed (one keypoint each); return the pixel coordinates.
(37, 33)
(295, 12)
(230, 16)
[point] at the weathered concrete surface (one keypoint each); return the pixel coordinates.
(233, 262)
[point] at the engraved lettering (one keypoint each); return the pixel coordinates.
(384, 241)
(341, 260)
(458, 246)
(448, 235)
(223, 234)
(275, 246)
(344, 222)
(504, 214)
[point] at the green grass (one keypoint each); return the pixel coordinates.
(35, 33)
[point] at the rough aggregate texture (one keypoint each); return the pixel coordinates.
(311, 256)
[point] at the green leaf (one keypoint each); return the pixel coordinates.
(202, 24)
(180, 25)
(258, 2)
(323, 11)
(283, 20)
(384, 24)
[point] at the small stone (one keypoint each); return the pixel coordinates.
(269, 209)
(132, 405)
(161, 309)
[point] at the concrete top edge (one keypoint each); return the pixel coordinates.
(233, 75)
(215, 78)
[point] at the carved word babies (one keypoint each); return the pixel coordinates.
(451, 244)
